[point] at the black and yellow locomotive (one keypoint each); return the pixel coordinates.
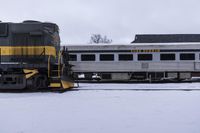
(31, 57)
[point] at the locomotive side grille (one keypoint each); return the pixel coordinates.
(26, 39)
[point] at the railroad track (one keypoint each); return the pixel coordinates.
(76, 89)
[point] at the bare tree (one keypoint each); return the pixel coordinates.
(97, 38)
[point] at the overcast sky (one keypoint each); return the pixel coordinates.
(120, 20)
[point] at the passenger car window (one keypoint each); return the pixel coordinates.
(125, 57)
(166, 57)
(145, 57)
(72, 57)
(187, 56)
(106, 57)
(87, 57)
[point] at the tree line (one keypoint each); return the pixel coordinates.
(98, 38)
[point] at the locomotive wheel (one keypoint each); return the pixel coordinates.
(37, 82)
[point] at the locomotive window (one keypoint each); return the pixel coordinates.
(125, 57)
(107, 57)
(3, 29)
(72, 57)
(167, 57)
(187, 56)
(145, 57)
(87, 57)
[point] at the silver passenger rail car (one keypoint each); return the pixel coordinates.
(141, 61)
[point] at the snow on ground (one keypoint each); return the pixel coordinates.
(103, 111)
(142, 86)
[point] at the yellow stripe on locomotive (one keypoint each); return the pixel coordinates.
(28, 50)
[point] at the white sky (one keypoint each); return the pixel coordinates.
(120, 20)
